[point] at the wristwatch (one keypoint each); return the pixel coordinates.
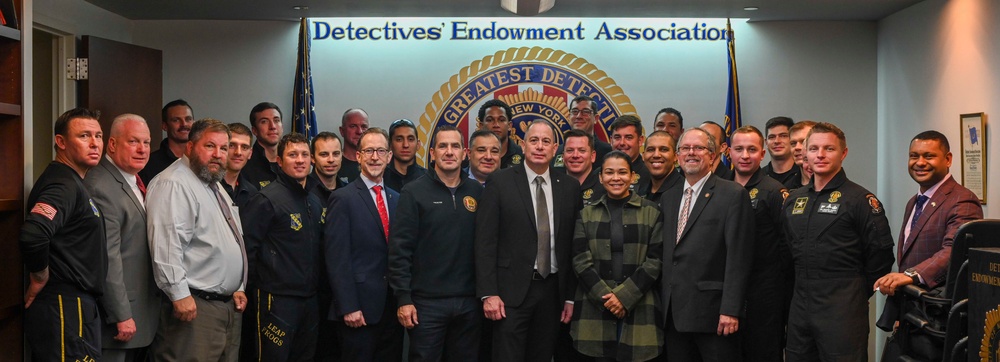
(912, 273)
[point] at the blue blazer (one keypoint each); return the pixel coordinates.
(357, 251)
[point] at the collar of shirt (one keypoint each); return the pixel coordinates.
(930, 192)
(697, 185)
(531, 175)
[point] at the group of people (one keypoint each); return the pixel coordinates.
(255, 245)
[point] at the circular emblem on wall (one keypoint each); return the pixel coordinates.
(988, 350)
(538, 84)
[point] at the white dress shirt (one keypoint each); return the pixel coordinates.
(547, 187)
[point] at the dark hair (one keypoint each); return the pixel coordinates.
(240, 129)
(324, 136)
(826, 127)
(579, 133)
(201, 126)
(260, 107)
(933, 135)
(444, 128)
(541, 121)
(293, 137)
(62, 123)
(403, 122)
(481, 133)
(585, 98)
(617, 154)
(673, 142)
(778, 121)
(800, 125)
(668, 110)
(628, 120)
(374, 130)
(750, 130)
(172, 104)
(495, 103)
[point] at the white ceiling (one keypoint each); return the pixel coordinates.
(283, 9)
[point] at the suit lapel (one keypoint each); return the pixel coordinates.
(902, 230)
(126, 188)
(557, 208)
(672, 200)
(699, 202)
(366, 198)
(929, 209)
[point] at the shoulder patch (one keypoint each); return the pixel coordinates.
(875, 204)
(45, 210)
(296, 221)
(515, 159)
(559, 161)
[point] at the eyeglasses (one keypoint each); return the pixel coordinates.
(690, 149)
(585, 112)
(380, 151)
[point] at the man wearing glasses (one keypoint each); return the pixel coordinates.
(356, 249)
(405, 145)
(583, 116)
(495, 116)
(782, 166)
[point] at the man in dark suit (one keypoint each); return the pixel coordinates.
(708, 232)
(131, 303)
(524, 271)
(932, 216)
(356, 247)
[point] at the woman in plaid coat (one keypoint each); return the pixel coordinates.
(617, 247)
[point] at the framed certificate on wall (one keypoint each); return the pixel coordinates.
(973, 153)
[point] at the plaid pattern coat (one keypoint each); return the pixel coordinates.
(594, 328)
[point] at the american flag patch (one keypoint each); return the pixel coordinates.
(44, 209)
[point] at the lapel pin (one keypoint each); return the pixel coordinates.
(707, 194)
(933, 204)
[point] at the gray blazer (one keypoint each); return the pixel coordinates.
(129, 291)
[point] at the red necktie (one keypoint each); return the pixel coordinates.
(383, 213)
(142, 187)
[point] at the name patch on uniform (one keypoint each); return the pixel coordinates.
(470, 203)
(296, 221)
(800, 206)
(44, 209)
(828, 208)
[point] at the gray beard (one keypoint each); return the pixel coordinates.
(206, 175)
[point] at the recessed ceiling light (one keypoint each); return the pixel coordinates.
(751, 8)
(300, 7)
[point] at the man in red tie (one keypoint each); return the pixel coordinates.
(131, 304)
(356, 252)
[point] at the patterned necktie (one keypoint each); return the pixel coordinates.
(232, 225)
(142, 187)
(685, 210)
(544, 256)
(383, 213)
(921, 200)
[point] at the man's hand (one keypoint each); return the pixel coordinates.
(126, 329)
(407, 316)
(240, 300)
(355, 319)
(185, 309)
(888, 284)
(493, 308)
(37, 281)
(567, 313)
(728, 325)
(613, 305)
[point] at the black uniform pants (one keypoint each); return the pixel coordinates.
(448, 329)
(63, 324)
(286, 327)
(762, 329)
(828, 320)
(530, 330)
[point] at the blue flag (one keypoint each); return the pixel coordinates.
(304, 118)
(733, 118)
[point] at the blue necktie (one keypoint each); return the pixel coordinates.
(921, 200)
